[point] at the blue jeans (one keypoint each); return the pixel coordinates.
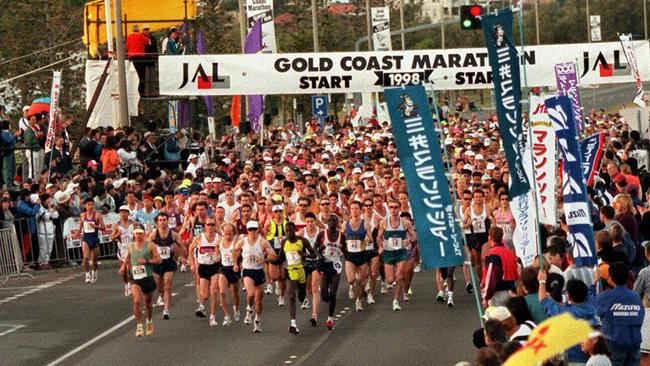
(625, 357)
(9, 168)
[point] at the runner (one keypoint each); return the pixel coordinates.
(194, 226)
(123, 235)
(208, 264)
(371, 217)
(476, 218)
(275, 230)
(253, 250)
(168, 244)
(295, 248)
(90, 224)
(228, 278)
(310, 232)
(147, 215)
(411, 259)
(172, 211)
(330, 264)
(394, 236)
(357, 233)
(140, 259)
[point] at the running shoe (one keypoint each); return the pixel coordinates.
(278, 290)
(268, 289)
(213, 321)
(359, 306)
(183, 267)
(93, 276)
(165, 314)
(450, 302)
(440, 297)
(149, 328)
(293, 329)
(367, 288)
(391, 285)
(406, 298)
(87, 277)
(200, 311)
(257, 328)
(417, 268)
(305, 304)
(396, 306)
(330, 324)
(469, 288)
(127, 290)
(313, 320)
(410, 291)
(280, 300)
(248, 319)
(226, 321)
(138, 331)
(351, 293)
(160, 302)
(384, 287)
(370, 299)
(236, 314)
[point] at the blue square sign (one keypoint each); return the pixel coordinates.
(319, 106)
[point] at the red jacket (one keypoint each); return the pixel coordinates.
(501, 272)
(135, 44)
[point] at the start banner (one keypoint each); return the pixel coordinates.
(346, 72)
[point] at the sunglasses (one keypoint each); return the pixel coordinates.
(393, 207)
(301, 205)
(252, 229)
(370, 205)
(210, 224)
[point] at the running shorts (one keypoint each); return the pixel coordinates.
(311, 266)
(297, 274)
(476, 241)
(371, 254)
(208, 270)
(92, 241)
(393, 257)
(257, 275)
(230, 274)
(358, 259)
(330, 269)
(147, 284)
(167, 265)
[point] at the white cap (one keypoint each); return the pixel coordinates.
(267, 158)
(268, 167)
(124, 208)
(49, 185)
(490, 166)
(357, 171)
(470, 153)
(315, 166)
(207, 180)
(325, 157)
(479, 157)
(61, 197)
(486, 177)
(227, 161)
(468, 167)
(286, 170)
(499, 313)
(278, 208)
(449, 141)
(217, 180)
(118, 183)
(34, 197)
(307, 172)
(26, 108)
(193, 156)
(252, 225)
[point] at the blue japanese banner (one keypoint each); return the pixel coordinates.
(504, 62)
(592, 153)
(574, 191)
(421, 159)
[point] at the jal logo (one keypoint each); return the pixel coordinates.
(202, 79)
(604, 68)
(577, 214)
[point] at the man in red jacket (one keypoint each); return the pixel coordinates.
(136, 43)
(501, 273)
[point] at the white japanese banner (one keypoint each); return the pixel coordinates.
(103, 114)
(343, 72)
(543, 145)
(380, 17)
(54, 111)
(256, 9)
(524, 237)
(630, 55)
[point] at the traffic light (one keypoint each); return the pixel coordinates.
(469, 16)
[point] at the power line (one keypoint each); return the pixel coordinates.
(39, 51)
(6, 81)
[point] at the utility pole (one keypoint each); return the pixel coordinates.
(536, 19)
(121, 72)
(243, 30)
(401, 23)
(369, 25)
(645, 19)
(314, 25)
(588, 22)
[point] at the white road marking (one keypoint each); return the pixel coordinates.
(91, 342)
(12, 328)
(293, 356)
(37, 288)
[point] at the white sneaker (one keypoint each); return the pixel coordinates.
(359, 306)
(213, 321)
(236, 314)
(165, 314)
(183, 267)
(396, 306)
(257, 328)
(351, 293)
(268, 289)
(370, 299)
(200, 311)
(248, 319)
(384, 287)
(87, 277)
(391, 285)
(226, 321)
(367, 288)
(305, 304)
(278, 290)
(127, 290)
(417, 268)
(440, 297)
(160, 302)
(450, 302)
(280, 300)
(93, 276)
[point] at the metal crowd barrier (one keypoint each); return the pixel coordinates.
(11, 263)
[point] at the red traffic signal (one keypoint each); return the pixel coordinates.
(475, 10)
(470, 16)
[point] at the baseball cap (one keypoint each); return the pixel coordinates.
(325, 157)
(252, 225)
(138, 229)
(356, 171)
(49, 185)
(479, 157)
(207, 180)
(92, 163)
(468, 167)
(499, 313)
(147, 134)
(490, 166)
(278, 208)
(192, 156)
(158, 198)
(26, 108)
(146, 26)
(124, 208)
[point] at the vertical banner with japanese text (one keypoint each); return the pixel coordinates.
(54, 112)
(630, 54)
(263, 9)
(592, 149)
(566, 77)
(418, 147)
(574, 191)
(380, 17)
(543, 145)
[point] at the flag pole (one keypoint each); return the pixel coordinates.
(455, 202)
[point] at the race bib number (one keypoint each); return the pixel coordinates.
(226, 259)
(293, 258)
(123, 250)
(252, 260)
(354, 246)
(394, 243)
(89, 228)
(172, 222)
(164, 252)
(139, 272)
(478, 226)
(207, 257)
(337, 266)
(149, 227)
(277, 242)
(332, 254)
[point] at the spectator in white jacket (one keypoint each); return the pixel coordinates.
(46, 231)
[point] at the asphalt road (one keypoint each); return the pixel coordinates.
(55, 319)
